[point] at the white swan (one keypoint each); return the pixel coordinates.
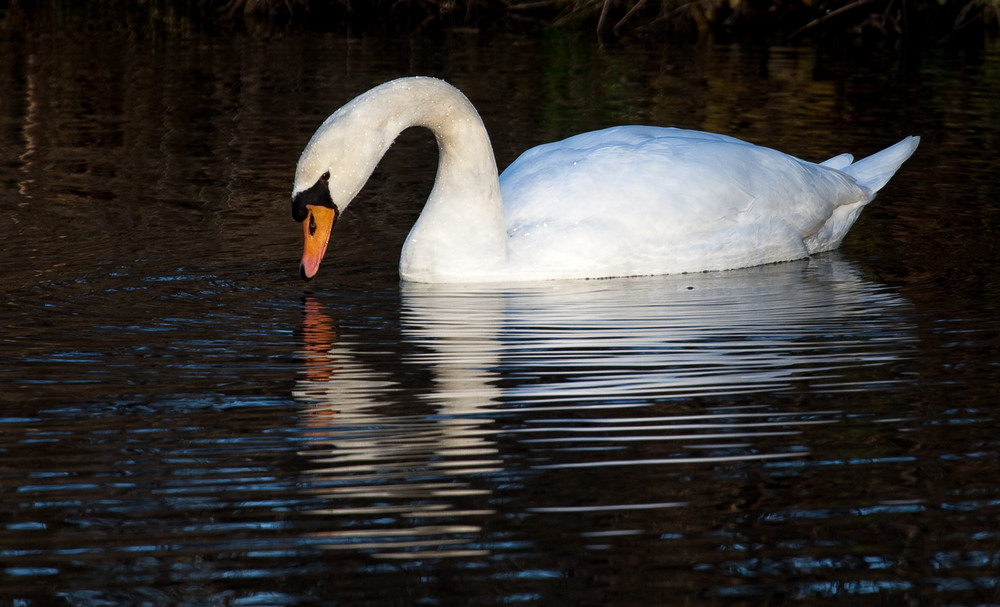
(623, 201)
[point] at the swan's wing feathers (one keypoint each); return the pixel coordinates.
(633, 170)
(636, 192)
(839, 162)
(690, 179)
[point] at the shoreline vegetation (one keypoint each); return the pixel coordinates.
(783, 21)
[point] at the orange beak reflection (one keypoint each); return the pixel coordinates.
(316, 228)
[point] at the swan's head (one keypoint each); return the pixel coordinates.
(315, 209)
(333, 168)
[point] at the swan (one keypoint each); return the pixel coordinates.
(623, 201)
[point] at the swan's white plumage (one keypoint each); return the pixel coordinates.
(623, 201)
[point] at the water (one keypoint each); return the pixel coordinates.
(185, 422)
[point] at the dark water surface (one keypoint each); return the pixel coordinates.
(185, 422)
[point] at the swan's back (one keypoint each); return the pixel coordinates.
(646, 200)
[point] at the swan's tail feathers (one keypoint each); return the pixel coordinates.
(876, 170)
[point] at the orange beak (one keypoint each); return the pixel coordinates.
(316, 228)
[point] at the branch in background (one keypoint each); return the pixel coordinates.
(622, 21)
(604, 14)
(828, 16)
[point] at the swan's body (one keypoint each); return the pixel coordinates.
(618, 202)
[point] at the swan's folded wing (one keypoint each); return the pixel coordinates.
(642, 200)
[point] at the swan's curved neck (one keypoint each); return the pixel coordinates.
(461, 228)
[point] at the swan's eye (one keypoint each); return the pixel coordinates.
(312, 224)
(325, 177)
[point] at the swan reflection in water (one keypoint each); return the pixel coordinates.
(488, 385)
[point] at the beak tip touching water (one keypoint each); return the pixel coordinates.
(311, 259)
(309, 266)
(306, 276)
